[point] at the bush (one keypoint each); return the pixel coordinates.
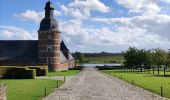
(18, 73)
(77, 68)
(40, 70)
(108, 67)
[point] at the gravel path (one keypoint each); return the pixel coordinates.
(93, 85)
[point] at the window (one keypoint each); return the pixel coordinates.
(49, 47)
(49, 60)
(49, 37)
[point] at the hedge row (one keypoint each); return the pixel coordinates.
(22, 72)
(108, 67)
(40, 71)
(77, 68)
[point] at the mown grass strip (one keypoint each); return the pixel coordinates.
(29, 89)
(151, 82)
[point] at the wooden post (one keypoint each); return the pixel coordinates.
(57, 84)
(132, 81)
(64, 78)
(164, 71)
(161, 91)
(45, 92)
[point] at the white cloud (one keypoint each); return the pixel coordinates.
(141, 6)
(166, 1)
(123, 35)
(31, 15)
(90, 4)
(155, 24)
(76, 13)
(15, 33)
(81, 9)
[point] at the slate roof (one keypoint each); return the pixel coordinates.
(25, 51)
(63, 46)
(19, 50)
(62, 57)
(66, 51)
(49, 23)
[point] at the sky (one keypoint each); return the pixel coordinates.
(92, 25)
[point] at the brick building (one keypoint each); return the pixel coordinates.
(47, 50)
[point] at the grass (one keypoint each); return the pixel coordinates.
(151, 82)
(28, 89)
(105, 59)
(64, 73)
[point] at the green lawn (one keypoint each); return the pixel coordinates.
(28, 89)
(64, 73)
(105, 59)
(148, 81)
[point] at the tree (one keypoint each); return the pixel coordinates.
(79, 56)
(160, 58)
(168, 59)
(141, 58)
(130, 57)
(135, 58)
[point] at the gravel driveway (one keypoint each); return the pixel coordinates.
(91, 84)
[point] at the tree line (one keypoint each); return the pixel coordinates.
(141, 59)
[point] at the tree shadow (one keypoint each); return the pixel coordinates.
(153, 75)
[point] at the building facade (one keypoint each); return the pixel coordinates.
(47, 50)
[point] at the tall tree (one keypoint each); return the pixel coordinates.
(160, 58)
(79, 56)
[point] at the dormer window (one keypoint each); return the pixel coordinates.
(49, 47)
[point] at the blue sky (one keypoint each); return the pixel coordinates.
(92, 25)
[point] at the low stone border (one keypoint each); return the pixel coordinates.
(3, 89)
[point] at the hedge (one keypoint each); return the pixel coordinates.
(108, 67)
(77, 68)
(17, 73)
(40, 70)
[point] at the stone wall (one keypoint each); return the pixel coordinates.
(3, 89)
(64, 66)
(72, 63)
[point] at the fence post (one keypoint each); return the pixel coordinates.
(57, 84)
(64, 78)
(132, 81)
(161, 90)
(45, 92)
(164, 71)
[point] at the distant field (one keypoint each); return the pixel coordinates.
(28, 89)
(104, 59)
(148, 81)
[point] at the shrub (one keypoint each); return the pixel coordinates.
(77, 68)
(108, 67)
(40, 70)
(18, 73)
